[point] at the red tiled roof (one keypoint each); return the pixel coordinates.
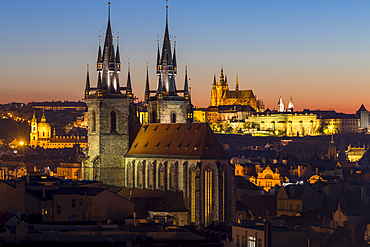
(157, 140)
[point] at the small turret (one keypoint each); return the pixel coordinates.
(291, 105)
(174, 59)
(128, 87)
(147, 89)
(158, 58)
(280, 105)
(186, 85)
(87, 87)
(160, 88)
(226, 83)
(99, 62)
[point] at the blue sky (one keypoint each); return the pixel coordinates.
(316, 51)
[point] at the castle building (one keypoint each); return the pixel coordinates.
(169, 154)
(40, 136)
(166, 105)
(221, 95)
(363, 115)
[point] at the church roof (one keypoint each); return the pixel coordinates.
(159, 140)
(240, 94)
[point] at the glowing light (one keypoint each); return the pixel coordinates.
(21, 143)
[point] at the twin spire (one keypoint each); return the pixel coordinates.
(108, 66)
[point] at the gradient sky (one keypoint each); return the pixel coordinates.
(317, 51)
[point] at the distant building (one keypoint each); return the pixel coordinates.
(363, 115)
(221, 95)
(59, 105)
(41, 136)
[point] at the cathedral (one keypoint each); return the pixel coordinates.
(171, 153)
(221, 95)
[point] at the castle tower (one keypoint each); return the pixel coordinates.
(363, 114)
(108, 118)
(291, 105)
(34, 132)
(280, 105)
(166, 106)
(214, 92)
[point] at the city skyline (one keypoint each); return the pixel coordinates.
(317, 52)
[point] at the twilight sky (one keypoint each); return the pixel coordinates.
(317, 51)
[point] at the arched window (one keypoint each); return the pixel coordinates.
(208, 182)
(222, 194)
(192, 195)
(34, 138)
(113, 122)
(43, 133)
(94, 122)
(173, 117)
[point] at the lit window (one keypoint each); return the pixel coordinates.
(251, 241)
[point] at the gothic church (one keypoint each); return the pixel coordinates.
(170, 154)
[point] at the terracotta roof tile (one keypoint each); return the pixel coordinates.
(157, 140)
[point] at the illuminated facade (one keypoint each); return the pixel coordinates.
(305, 122)
(41, 136)
(221, 95)
(267, 178)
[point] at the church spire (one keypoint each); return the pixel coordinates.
(118, 60)
(221, 81)
(186, 85)
(160, 88)
(237, 83)
(106, 61)
(147, 89)
(174, 58)
(128, 87)
(214, 80)
(87, 87)
(100, 58)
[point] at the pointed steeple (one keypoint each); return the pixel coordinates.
(87, 87)
(172, 89)
(99, 62)
(291, 105)
(237, 83)
(166, 49)
(118, 60)
(147, 89)
(174, 58)
(221, 81)
(214, 80)
(280, 105)
(107, 50)
(158, 57)
(160, 88)
(186, 85)
(128, 87)
(226, 83)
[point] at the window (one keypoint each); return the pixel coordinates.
(251, 241)
(192, 195)
(173, 118)
(73, 203)
(59, 209)
(113, 122)
(94, 122)
(237, 240)
(208, 196)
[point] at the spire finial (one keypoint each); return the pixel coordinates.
(99, 39)
(117, 38)
(108, 11)
(166, 11)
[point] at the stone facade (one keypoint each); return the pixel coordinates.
(167, 111)
(108, 121)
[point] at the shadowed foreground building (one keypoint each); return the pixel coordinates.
(180, 157)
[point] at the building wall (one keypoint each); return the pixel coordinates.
(176, 175)
(106, 148)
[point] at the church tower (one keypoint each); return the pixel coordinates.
(280, 105)
(291, 105)
(166, 106)
(34, 132)
(108, 117)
